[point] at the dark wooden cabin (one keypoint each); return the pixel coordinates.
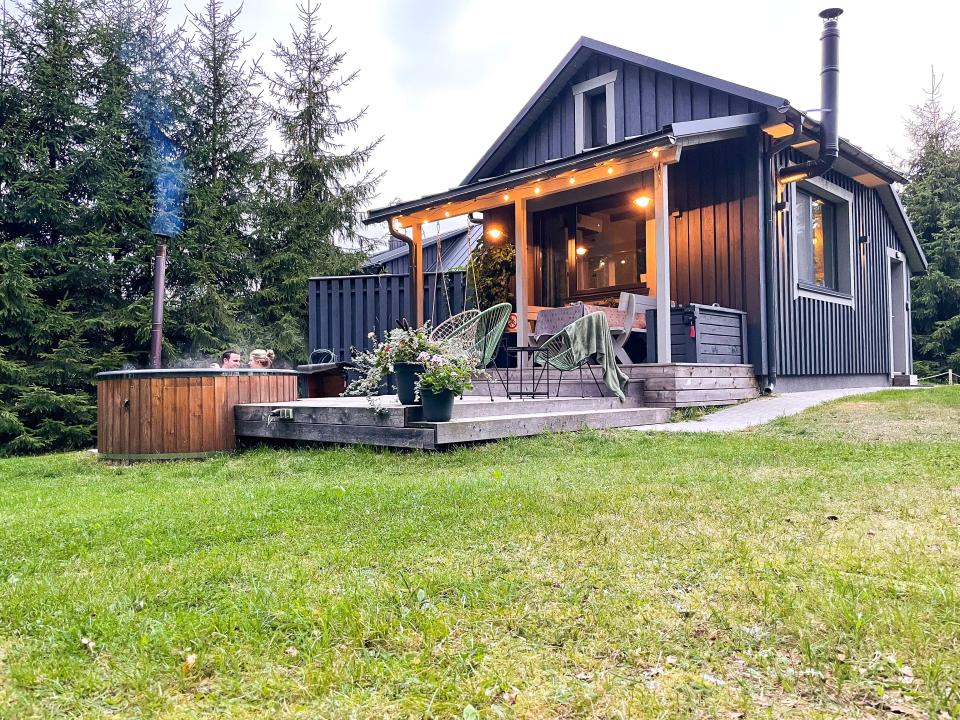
(702, 192)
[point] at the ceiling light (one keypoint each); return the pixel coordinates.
(641, 201)
(609, 171)
(655, 153)
(581, 250)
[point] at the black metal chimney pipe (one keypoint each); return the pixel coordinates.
(159, 289)
(829, 104)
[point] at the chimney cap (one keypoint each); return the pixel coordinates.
(831, 13)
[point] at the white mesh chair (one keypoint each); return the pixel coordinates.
(462, 326)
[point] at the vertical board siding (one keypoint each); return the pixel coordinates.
(816, 337)
(646, 101)
(715, 232)
(344, 310)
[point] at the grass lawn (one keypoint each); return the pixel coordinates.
(806, 569)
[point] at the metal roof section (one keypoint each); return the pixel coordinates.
(569, 66)
(457, 245)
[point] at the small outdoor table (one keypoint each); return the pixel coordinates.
(324, 379)
(519, 352)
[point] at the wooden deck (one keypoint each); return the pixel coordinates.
(667, 385)
(353, 421)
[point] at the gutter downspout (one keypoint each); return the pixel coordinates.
(413, 268)
(772, 258)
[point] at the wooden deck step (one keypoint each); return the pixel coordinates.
(503, 426)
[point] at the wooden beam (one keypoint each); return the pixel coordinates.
(548, 185)
(662, 241)
(522, 294)
(416, 275)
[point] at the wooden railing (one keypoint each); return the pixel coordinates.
(345, 309)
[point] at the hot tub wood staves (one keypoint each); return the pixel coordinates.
(173, 414)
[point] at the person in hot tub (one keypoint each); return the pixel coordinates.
(261, 359)
(229, 360)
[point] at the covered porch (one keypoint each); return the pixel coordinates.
(671, 218)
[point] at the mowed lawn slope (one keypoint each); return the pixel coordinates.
(806, 569)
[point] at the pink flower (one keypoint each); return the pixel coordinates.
(423, 357)
(438, 360)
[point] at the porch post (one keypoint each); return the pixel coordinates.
(520, 242)
(416, 275)
(662, 240)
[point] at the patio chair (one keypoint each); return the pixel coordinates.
(462, 326)
(560, 353)
(628, 303)
(490, 325)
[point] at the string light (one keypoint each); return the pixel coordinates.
(609, 171)
(506, 197)
(573, 181)
(536, 190)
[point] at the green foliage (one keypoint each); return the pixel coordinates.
(107, 122)
(490, 269)
(313, 190)
(932, 200)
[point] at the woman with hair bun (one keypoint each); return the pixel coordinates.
(261, 359)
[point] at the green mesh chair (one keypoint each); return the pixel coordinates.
(490, 325)
(462, 326)
(558, 353)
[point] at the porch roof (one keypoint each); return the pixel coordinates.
(674, 135)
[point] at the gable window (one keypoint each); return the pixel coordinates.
(594, 112)
(598, 119)
(822, 248)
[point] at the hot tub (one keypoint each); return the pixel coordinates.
(171, 414)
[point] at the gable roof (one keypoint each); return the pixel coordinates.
(568, 67)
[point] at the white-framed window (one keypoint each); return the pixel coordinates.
(595, 111)
(823, 259)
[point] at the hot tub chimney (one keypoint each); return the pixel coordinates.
(159, 288)
(829, 104)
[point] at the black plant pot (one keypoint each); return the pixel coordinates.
(407, 373)
(437, 406)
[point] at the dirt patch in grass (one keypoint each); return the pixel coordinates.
(922, 415)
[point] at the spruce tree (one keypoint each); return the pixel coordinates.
(223, 122)
(932, 201)
(315, 187)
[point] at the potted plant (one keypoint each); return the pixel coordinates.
(445, 375)
(397, 353)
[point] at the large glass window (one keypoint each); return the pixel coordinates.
(816, 241)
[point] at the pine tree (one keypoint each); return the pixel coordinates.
(932, 201)
(223, 122)
(314, 189)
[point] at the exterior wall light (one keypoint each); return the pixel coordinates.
(494, 233)
(581, 250)
(642, 201)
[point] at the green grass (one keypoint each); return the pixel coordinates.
(777, 573)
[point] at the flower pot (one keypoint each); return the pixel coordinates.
(407, 373)
(437, 406)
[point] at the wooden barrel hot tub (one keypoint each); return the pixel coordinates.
(171, 414)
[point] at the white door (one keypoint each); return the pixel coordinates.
(899, 316)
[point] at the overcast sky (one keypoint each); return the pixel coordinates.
(441, 79)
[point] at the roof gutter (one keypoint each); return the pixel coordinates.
(414, 269)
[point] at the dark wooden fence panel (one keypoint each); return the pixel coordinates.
(343, 310)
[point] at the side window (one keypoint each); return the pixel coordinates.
(822, 241)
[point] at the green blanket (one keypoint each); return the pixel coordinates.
(590, 335)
